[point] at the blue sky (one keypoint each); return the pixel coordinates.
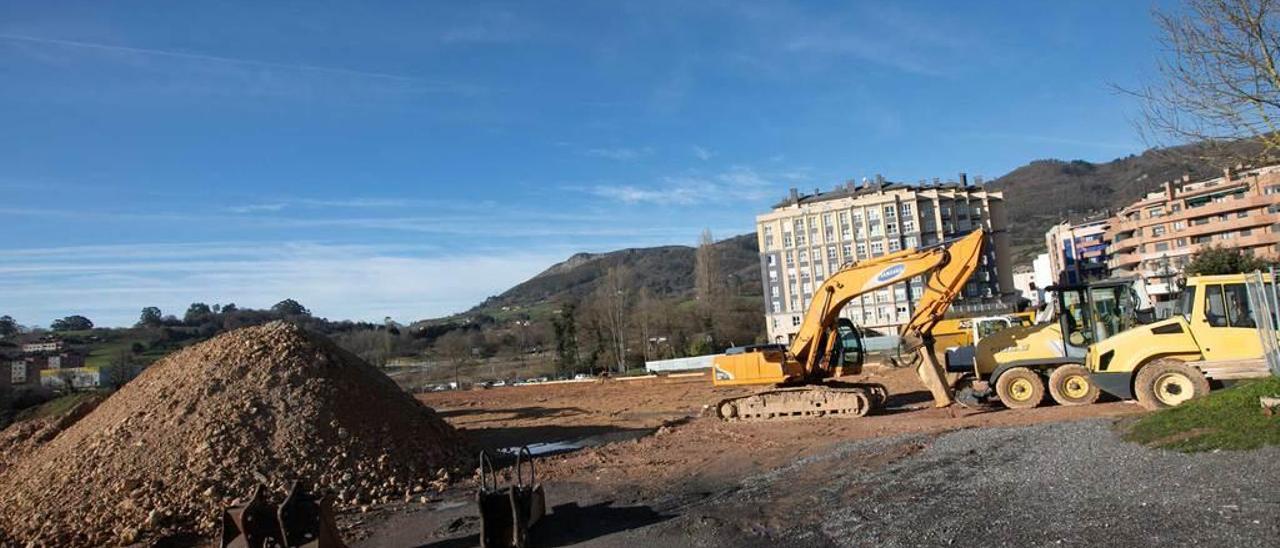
(410, 158)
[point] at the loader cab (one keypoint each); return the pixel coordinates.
(1095, 312)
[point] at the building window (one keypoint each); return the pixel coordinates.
(1157, 230)
(1154, 212)
(1182, 242)
(786, 239)
(826, 219)
(912, 241)
(908, 225)
(894, 245)
(831, 253)
(877, 248)
(1242, 214)
(848, 256)
(906, 210)
(1162, 246)
(1179, 225)
(795, 321)
(862, 250)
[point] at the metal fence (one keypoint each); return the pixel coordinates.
(1264, 298)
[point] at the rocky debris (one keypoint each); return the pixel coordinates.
(200, 428)
(26, 436)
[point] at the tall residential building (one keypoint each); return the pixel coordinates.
(1078, 250)
(806, 238)
(1156, 235)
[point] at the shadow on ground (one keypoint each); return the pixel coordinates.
(500, 438)
(570, 523)
(516, 413)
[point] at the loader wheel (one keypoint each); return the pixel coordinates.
(1020, 388)
(1167, 383)
(1071, 385)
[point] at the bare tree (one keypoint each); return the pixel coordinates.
(455, 346)
(612, 301)
(1220, 82)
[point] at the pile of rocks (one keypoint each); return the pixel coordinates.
(266, 404)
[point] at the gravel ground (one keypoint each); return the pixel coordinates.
(1058, 484)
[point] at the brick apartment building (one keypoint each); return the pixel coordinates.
(806, 238)
(1156, 235)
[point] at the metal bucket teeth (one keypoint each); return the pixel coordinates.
(301, 520)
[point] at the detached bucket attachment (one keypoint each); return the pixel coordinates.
(301, 520)
(507, 513)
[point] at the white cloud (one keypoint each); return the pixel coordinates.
(701, 153)
(110, 284)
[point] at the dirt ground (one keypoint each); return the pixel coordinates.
(649, 455)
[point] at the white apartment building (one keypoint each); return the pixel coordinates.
(806, 238)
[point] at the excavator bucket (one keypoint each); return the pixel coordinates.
(301, 520)
(507, 513)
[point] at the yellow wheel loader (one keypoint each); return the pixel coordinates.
(827, 346)
(1020, 365)
(1225, 331)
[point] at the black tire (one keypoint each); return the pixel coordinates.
(1020, 388)
(1071, 385)
(1167, 383)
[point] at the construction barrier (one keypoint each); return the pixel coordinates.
(681, 364)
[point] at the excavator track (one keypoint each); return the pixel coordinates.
(803, 402)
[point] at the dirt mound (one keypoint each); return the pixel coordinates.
(202, 426)
(28, 435)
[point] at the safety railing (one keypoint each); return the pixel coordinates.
(1264, 297)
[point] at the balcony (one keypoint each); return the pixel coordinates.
(1230, 205)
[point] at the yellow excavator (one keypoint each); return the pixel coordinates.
(828, 346)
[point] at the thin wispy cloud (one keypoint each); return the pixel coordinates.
(407, 81)
(738, 184)
(255, 208)
(205, 57)
(702, 153)
(620, 153)
(886, 35)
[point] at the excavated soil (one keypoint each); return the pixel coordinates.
(200, 428)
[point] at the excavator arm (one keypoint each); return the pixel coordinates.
(948, 266)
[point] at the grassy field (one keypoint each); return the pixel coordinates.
(1225, 419)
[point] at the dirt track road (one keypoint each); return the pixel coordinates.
(909, 476)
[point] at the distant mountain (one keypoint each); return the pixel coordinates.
(1045, 192)
(666, 271)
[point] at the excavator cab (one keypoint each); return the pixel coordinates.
(849, 353)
